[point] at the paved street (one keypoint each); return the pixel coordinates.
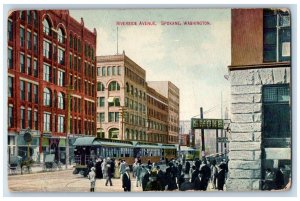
(61, 181)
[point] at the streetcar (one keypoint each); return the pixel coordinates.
(87, 149)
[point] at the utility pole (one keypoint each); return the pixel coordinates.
(202, 135)
(69, 89)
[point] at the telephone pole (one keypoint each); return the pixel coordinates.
(202, 135)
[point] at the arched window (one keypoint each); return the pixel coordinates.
(113, 86)
(61, 35)
(114, 133)
(71, 41)
(47, 97)
(35, 21)
(60, 100)
(100, 86)
(46, 27)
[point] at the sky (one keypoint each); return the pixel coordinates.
(194, 58)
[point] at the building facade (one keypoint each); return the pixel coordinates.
(169, 90)
(260, 135)
(157, 107)
(51, 63)
(121, 98)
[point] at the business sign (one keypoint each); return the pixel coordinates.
(207, 123)
(222, 139)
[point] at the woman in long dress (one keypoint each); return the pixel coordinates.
(117, 172)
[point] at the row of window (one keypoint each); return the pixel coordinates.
(108, 71)
(28, 91)
(31, 118)
(114, 102)
(157, 126)
(89, 88)
(134, 105)
(89, 108)
(113, 86)
(135, 92)
(131, 134)
(157, 138)
(157, 103)
(134, 77)
(157, 114)
(28, 39)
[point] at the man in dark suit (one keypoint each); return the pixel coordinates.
(279, 178)
(126, 182)
(161, 178)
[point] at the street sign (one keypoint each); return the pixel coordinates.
(207, 123)
(222, 139)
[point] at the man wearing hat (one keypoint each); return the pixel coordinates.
(126, 182)
(92, 178)
(186, 185)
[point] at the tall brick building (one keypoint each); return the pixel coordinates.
(260, 68)
(51, 62)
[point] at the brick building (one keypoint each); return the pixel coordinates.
(260, 68)
(51, 61)
(157, 107)
(171, 92)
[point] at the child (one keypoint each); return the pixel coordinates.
(92, 178)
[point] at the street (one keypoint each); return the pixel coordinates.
(63, 181)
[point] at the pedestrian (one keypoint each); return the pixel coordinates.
(145, 178)
(103, 168)
(214, 173)
(221, 176)
(138, 175)
(171, 177)
(92, 178)
(99, 174)
(196, 172)
(109, 172)
(206, 174)
(161, 179)
(134, 166)
(153, 184)
(269, 180)
(117, 169)
(186, 185)
(126, 182)
(279, 178)
(122, 167)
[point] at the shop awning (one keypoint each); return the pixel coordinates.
(85, 141)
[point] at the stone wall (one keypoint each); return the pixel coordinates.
(246, 125)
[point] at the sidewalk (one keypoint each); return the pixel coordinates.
(37, 168)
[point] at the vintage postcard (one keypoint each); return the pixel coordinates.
(135, 100)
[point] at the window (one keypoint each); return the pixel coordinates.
(60, 35)
(46, 72)
(60, 98)
(71, 60)
(113, 70)
(35, 68)
(28, 15)
(114, 86)
(34, 18)
(277, 36)
(47, 50)
(100, 86)
(115, 102)
(61, 56)
(101, 102)
(71, 41)
(276, 111)
(60, 78)
(35, 120)
(119, 70)
(29, 92)
(22, 90)
(46, 27)
(36, 93)
(10, 58)
(98, 71)
(108, 70)
(47, 97)
(103, 71)
(22, 37)
(29, 113)
(29, 40)
(102, 117)
(10, 117)
(10, 86)
(28, 65)
(47, 119)
(60, 125)
(22, 63)
(113, 117)
(22, 119)
(35, 43)
(10, 30)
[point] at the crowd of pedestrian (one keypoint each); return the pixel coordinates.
(183, 176)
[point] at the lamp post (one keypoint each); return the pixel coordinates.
(69, 90)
